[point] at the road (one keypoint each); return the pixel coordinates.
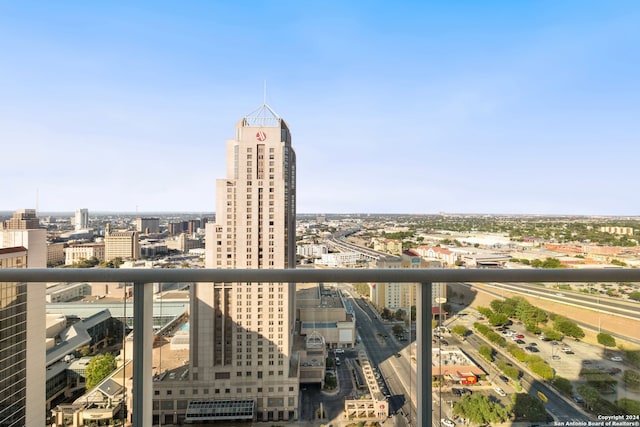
(600, 303)
(381, 349)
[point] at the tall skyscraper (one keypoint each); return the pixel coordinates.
(242, 333)
(82, 219)
(22, 316)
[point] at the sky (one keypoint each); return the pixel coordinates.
(527, 107)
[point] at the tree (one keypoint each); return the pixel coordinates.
(567, 327)
(552, 334)
(563, 385)
(606, 340)
(633, 357)
(507, 308)
(509, 370)
(397, 329)
(99, 368)
(596, 403)
(400, 314)
(486, 352)
(630, 406)
(485, 311)
(459, 330)
(114, 263)
(631, 378)
(330, 381)
(635, 295)
(446, 307)
(542, 369)
(85, 350)
(552, 263)
(528, 408)
(479, 409)
(362, 288)
(497, 319)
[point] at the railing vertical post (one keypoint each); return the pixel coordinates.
(424, 395)
(142, 356)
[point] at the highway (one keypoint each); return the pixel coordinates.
(601, 303)
(339, 242)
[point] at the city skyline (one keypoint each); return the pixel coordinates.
(404, 108)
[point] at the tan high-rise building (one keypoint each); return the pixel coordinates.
(242, 333)
(23, 229)
(22, 219)
(121, 244)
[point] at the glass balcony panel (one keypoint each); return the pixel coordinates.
(578, 351)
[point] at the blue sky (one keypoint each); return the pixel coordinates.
(394, 107)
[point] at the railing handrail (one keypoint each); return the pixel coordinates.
(304, 275)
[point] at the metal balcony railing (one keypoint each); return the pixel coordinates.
(144, 278)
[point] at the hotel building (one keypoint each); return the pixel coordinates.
(242, 333)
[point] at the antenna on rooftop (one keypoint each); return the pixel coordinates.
(37, 200)
(265, 93)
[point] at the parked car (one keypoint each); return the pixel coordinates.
(499, 391)
(616, 359)
(447, 422)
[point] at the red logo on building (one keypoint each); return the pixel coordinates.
(261, 136)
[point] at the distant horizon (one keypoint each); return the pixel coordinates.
(150, 213)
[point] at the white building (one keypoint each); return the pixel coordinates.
(339, 259)
(312, 250)
(85, 251)
(81, 220)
